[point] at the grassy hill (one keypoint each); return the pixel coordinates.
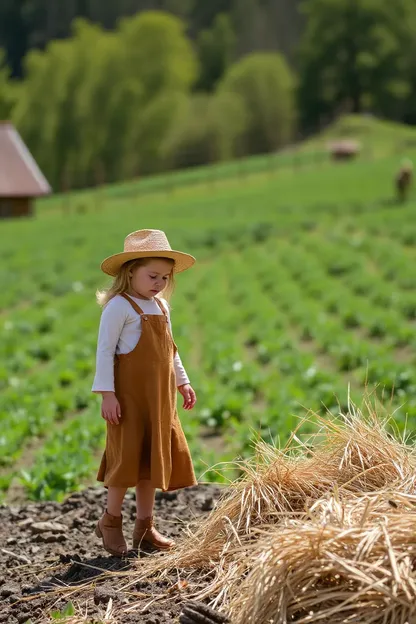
(305, 286)
(380, 138)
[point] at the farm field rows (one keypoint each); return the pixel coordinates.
(305, 286)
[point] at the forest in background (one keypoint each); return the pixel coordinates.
(102, 94)
(258, 25)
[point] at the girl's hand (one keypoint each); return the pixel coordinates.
(110, 408)
(189, 396)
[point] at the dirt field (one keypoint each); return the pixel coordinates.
(50, 546)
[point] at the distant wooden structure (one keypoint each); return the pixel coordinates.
(346, 149)
(21, 180)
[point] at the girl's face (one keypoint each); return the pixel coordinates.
(149, 279)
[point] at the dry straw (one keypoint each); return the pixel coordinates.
(277, 532)
(352, 561)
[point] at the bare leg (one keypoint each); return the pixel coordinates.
(145, 499)
(115, 499)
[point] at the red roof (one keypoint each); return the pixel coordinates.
(19, 174)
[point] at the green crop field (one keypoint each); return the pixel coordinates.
(305, 287)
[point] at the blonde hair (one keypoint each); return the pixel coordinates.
(121, 282)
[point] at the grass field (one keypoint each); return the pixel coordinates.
(305, 286)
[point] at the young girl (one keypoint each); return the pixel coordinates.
(138, 371)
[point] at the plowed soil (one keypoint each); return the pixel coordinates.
(49, 556)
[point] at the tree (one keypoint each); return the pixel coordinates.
(13, 35)
(181, 8)
(265, 85)
(204, 13)
(96, 107)
(355, 55)
(8, 90)
(156, 49)
(192, 142)
(228, 117)
(159, 63)
(48, 113)
(35, 112)
(216, 49)
(99, 106)
(267, 25)
(248, 19)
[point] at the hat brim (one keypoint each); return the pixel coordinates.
(113, 264)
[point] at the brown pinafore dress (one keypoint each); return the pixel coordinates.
(149, 442)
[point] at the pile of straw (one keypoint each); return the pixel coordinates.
(351, 561)
(323, 532)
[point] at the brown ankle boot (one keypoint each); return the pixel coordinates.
(109, 528)
(145, 532)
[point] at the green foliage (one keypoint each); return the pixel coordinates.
(67, 611)
(105, 106)
(101, 112)
(189, 142)
(46, 113)
(95, 108)
(156, 51)
(181, 8)
(229, 121)
(102, 106)
(265, 85)
(216, 51)
(157, 71)
(208, 128)
(65, 458)
(8, 91)
(355, 55)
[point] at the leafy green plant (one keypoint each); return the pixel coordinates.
(67, 611)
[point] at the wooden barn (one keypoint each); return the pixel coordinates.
(21, 180)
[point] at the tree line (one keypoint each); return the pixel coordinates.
(258, 24)
(106, 105)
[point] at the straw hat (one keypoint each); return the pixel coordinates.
(146, 244)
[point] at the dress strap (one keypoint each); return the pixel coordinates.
(162, 307)
(133, 304)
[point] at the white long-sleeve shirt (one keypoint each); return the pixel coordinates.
(119, 332)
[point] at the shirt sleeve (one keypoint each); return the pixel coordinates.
(180, 372)
(112, 321)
